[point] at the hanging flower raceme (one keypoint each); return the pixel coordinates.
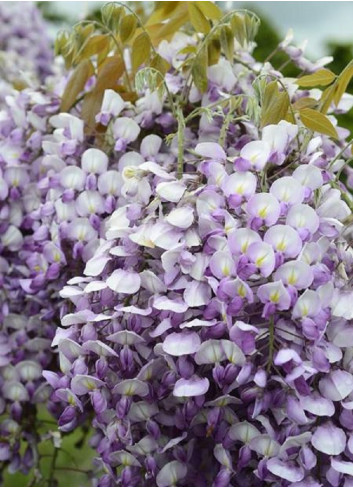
(202, 328)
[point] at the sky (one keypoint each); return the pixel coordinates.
(317, 22)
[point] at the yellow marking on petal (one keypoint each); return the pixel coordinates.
(225, 270)
(71, 400)
(240, 189)
(305, 309)
(241, 291)
(274, 297)
(282, 245)
(254, 157)
(90, 385)
(129, 172)
(259, 261)
(219, 179)
(263, 211)
(37, 268)
(292, 278)
(285, 196)
(244, 246)
(56, 257)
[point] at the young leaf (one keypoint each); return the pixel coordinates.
(199, 69)
(93, 45)
(127, 27)
(274, 106)
(227, 42)
(197, 19)
(111, 15)
(159, 64)
(343, 81)
(141, 49)
(320, 78)
(76, 84)
(314, 120)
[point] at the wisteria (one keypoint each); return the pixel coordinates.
(180, 278)
(25, 53)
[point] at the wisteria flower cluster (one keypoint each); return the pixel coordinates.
(181, 278)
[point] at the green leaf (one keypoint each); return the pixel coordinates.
(188, 50)
(210, 10)
(197, 19)
(275, 105)
(199, 69)
(320, 78)
(76, 84)
(141, 50)
(238, 28)
(343, 81)
(127, 27)
(316, 121)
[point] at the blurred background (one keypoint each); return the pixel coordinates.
(320, 23)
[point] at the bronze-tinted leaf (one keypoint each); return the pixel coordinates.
(110, 72)
(214, 51)
(76, 84)
(162, 11)
(199, 69)
(141, 49)
(275, 105)
(316, 121)
(197, 19)
(320, 78)
(127, 27)
(93, 45)
(166, 30)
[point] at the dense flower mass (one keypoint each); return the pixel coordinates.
(180, 279)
